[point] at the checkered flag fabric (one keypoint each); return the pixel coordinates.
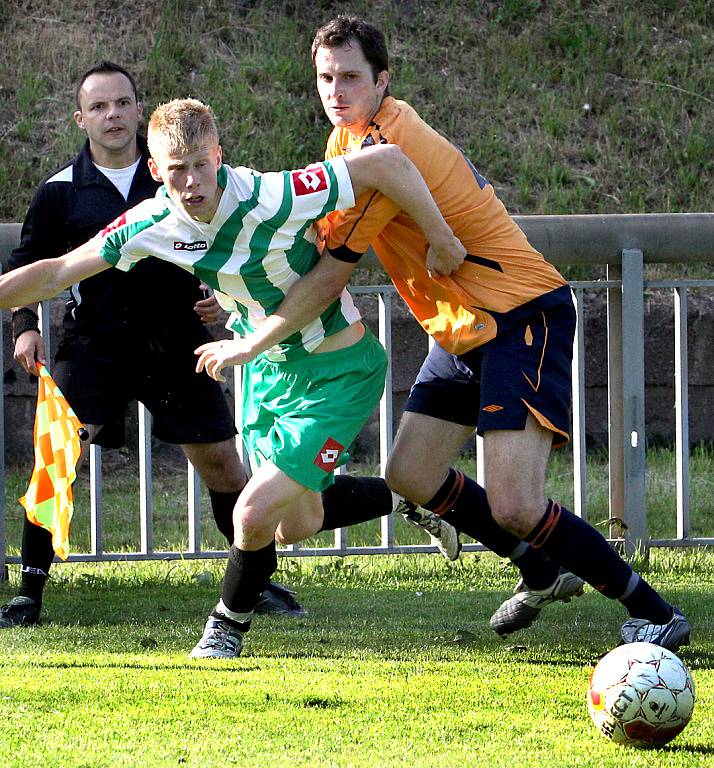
(48, 500)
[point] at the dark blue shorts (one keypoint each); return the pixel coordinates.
(525, 369)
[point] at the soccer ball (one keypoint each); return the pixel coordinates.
(640, 694)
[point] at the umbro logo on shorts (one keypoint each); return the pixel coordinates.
(492, 408)
(329, 454)
(309, 180)
(199, 245)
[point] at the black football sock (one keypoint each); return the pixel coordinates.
(463, 503)
(537, 570)
(581, 549)
(222, 505)
(247, 575)
(37, 557)
(351, 500)
(644, 602)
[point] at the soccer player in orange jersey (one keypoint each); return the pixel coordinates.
(503, 322)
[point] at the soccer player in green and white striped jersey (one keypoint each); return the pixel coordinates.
(250, 236)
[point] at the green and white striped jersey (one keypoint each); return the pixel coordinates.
(261, 240)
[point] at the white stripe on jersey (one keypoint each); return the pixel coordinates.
(260, 219)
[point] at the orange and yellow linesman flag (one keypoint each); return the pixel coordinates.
(48, 500)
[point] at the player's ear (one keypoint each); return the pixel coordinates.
(78, 119)
(140, 109)
(219, 156)
(382, 81)
(154, 170)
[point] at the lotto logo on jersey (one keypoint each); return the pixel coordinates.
(309, 180)
(199, 245)
(120, 222)
(329, 454)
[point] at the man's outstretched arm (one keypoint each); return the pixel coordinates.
(306, 300)
(46, 278)
(386, 168)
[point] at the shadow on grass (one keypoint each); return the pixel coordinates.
(698, 658)
(689, 749)
(219, 665)
(342, 620)
(391, 624)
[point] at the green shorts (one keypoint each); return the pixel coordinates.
(304, 414)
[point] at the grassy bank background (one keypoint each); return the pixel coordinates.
(568, 106)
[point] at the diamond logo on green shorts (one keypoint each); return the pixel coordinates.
(329, 454)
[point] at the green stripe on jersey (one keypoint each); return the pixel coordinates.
(221, 249)
(334, 190)
(111, 249)
(257, 282)
(303, 255)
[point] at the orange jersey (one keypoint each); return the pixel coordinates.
(502, 271)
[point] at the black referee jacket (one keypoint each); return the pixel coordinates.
(153, 301)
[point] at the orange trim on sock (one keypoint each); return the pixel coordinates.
(452, 496)
(548, 527)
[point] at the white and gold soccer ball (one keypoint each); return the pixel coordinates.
(640, 694)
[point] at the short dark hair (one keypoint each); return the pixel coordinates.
(345, 29)
(105, 68)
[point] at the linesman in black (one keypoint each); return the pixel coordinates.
(120, 342)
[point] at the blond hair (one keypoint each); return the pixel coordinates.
(181, 125)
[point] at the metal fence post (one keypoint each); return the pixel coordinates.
(616, 484)
(3, 539)
(385, 405)
(578, 436)
(95, 500)
(146, 503)
(681, 407)
(633, 397)
(194, 508)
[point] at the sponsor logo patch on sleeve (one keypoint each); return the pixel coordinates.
(329, 455)
(119, 222)
(309, 180)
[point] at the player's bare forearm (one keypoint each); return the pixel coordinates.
(46, 278)
(305, 300)
(387, 169)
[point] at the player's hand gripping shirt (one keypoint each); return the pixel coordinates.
(260, 241)
(502, 270)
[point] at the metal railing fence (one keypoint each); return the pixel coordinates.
(624, 244)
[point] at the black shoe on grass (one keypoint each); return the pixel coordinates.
(21, 611)
(280, 600)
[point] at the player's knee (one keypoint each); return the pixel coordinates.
(298, 527)
(218, 464)
(286, 536)
(250, 525)
(514, 512)
(399, 479)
